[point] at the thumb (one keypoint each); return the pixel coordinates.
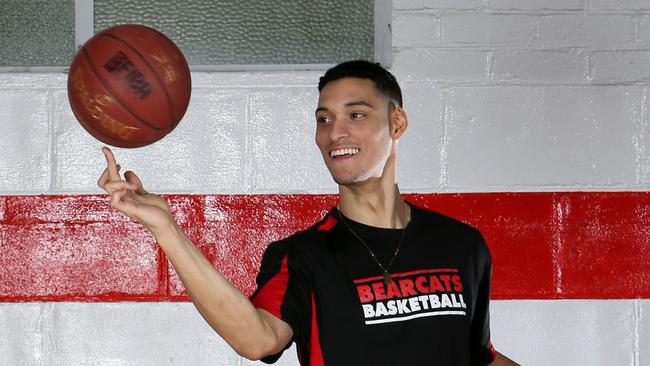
(133, 179)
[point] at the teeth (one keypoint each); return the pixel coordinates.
(347, 151)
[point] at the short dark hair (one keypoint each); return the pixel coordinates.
(383, 80)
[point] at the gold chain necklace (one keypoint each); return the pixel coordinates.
(386, 270)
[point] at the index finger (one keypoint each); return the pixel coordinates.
(111, 165)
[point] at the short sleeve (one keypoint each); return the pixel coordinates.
(482, 351)
(282, 290)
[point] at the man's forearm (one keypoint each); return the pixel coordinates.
(228, 311)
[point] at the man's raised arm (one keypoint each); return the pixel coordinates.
(253, 333)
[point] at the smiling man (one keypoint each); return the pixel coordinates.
(377, 281)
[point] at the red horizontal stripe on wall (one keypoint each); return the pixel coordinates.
(544, 245)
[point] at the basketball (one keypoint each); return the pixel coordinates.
(129, 85)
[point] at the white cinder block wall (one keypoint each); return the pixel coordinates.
(503, 95)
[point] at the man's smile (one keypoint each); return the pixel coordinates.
(345, 152)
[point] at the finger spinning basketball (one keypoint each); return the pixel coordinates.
(129, 85)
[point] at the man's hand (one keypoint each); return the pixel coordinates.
(129, 197)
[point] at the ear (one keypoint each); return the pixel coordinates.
(398, 122)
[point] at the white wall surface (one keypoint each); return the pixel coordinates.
(503, 95)
(534, 332)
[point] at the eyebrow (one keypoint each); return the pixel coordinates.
(349, 104)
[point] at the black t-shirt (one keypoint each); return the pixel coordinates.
(325, 284)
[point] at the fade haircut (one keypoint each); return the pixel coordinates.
(383, 80)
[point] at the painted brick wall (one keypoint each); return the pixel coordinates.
(543, 96)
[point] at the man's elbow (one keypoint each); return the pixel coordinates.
(254, 354)
(255, 350)
(270, 339)
(501, 360)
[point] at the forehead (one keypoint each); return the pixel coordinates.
(347, 89)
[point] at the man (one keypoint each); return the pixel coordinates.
(376, 282)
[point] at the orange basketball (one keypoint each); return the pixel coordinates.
(129, 85)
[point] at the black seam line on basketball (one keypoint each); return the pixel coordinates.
(160, 80)
(114, 95)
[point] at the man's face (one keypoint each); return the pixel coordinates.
(352, 130)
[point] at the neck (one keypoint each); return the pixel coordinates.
(375, 202)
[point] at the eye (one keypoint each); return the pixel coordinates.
(357, 115)
(323, 120)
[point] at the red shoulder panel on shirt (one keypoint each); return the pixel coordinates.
(328, 224)
(270, 296)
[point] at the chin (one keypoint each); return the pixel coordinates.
(342, 181)
(350, 180)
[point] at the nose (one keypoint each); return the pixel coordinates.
(339, 130)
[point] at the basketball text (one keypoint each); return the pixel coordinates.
(121, 66)
(94, 107)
